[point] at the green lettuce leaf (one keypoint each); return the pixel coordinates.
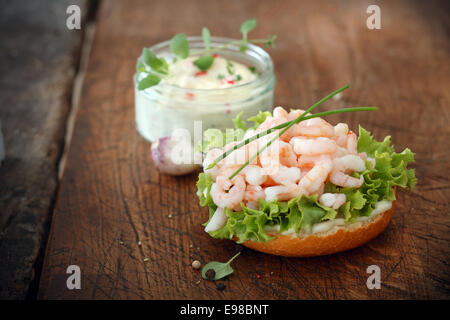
(249, 224)
(215, 138)
(239, 123)
(204, 184)
(390, 171)
(259, 118)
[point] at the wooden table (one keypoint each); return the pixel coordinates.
(111, 196)
(38, 64)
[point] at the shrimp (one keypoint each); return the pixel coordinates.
(251, 150)
(283, 193)
(253, 193)
(270, 159)
(305, 146)
(316, 177)
(237, 157)
(352, 143)
(287, 155)
(242, 154)
(332, 200)
(349, 162)
(344, 180)
(294, 130)
(212, 155)
(252, 147)
(228, 193)
(279, 112)
(340, 152)
(364, 156)
(306, 163)
(278, 154)
(280, 115)
(341, 131)
(315, 127)
(252, 205)
(249, 133)
(310, 161)
(286, 175)
(269, 123)
(321, 189)
(254, 175)
(269, 182)
(294, 114)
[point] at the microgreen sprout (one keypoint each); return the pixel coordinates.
(217, 270)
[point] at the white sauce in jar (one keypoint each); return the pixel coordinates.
(223, 73)
(195, 100)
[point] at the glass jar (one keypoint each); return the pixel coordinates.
(163, 108)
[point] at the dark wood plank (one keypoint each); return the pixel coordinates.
(38, 61)
(112, 197)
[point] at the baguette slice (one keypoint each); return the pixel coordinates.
(337, 239)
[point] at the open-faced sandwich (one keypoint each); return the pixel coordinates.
(295, 185)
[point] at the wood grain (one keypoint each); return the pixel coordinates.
(111, 196)
(38, 62)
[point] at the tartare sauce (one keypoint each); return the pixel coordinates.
(223, 73)
(193, 100)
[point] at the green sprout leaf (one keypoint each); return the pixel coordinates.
(204, 62)
(206, 38)
(149, 81)
(140, 66)
(151, 60)
(221, 270)
(271, 41)
(247, 26)
(157, 64)
(179, 46)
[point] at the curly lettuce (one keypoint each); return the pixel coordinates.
(302, 212)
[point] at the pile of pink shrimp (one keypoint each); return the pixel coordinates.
(300, 162)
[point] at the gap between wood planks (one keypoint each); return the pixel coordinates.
(76, 94)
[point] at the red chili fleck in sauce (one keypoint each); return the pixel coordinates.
(215, 55)
(258, 276)
(200, 73)
(190, 96)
